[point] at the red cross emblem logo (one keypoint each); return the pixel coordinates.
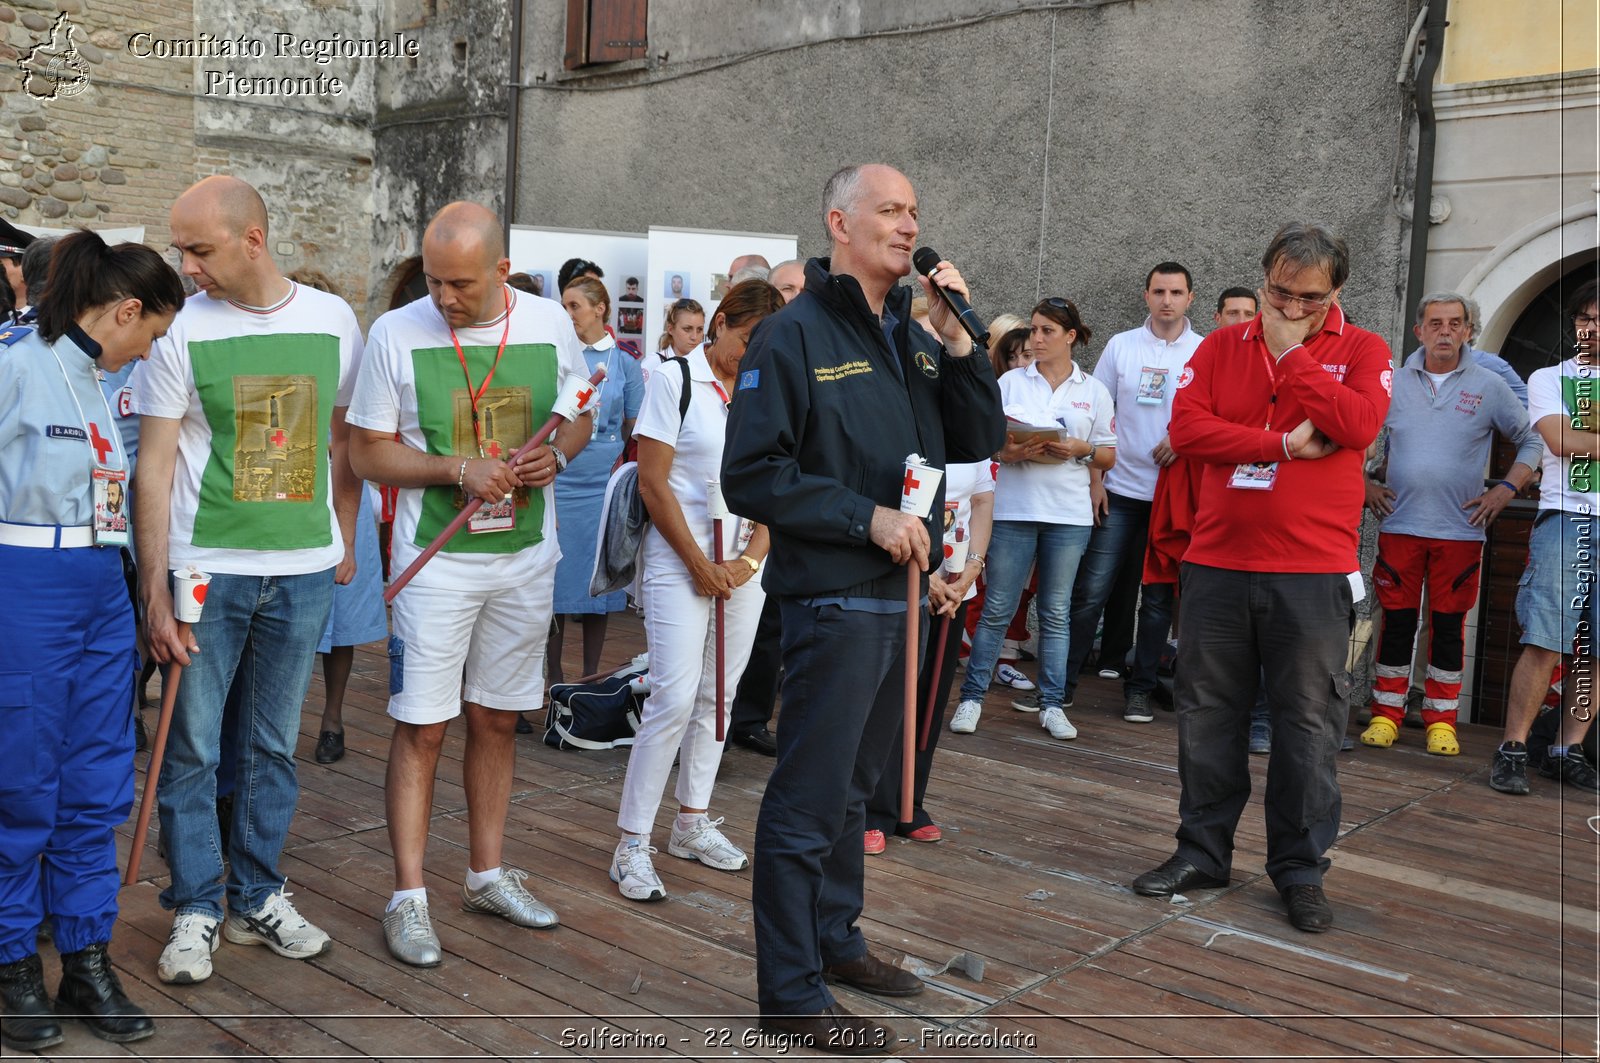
(278, 438)
(493, 448)
(910, 484)
(584, 395)
(101, 445)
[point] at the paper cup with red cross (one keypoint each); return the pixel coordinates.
(955, 553)
(919, 487)
(577, 397)
(189, 594)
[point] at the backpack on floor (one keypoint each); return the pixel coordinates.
(599, 715)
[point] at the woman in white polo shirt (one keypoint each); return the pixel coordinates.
(679, 451)
(1041, 509)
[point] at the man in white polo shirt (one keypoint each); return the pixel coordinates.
(465, 377)
(236, 408)
(1140, 368)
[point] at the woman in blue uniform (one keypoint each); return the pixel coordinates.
(581, 487)
(66, 635)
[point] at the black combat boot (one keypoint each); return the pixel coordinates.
(90, 991)
(29, 1023)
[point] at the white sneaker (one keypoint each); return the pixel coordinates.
(708, 845)
(965, 720)
(634, 873)
(279, 927)
(1055, 721)
(1008, 676)
(187, 957)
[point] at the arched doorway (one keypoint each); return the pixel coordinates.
(1541, 335)
(409, 284)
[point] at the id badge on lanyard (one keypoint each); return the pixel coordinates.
(494, 516)
(491, 516)
(1259, 475)
(110, 507)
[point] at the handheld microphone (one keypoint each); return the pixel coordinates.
(926, 261)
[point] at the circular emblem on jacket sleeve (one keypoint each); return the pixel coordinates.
(926, 363)
(1186, 377)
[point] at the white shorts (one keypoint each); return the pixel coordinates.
(483, 645)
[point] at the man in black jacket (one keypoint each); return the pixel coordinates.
(834, 393)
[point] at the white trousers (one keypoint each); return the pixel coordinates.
(680, 715)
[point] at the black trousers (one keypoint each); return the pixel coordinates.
(1235, 628)
(842, 708)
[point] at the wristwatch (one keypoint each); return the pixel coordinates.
(561, 458)
(1087, 459)
(754, 563)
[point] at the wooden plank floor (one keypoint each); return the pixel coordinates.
(1466, 920)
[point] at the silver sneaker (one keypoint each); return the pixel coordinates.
(508, 898)
(1055, 721)
(634, 872)
(409, 934)
(965, 719)
(708, 845)
(279, 927)
(187, 957)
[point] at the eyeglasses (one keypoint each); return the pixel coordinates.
(1059, 303)
(1585, 322)
(1281, 298)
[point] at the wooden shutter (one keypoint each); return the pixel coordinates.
(605, 31)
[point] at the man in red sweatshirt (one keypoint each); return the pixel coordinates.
(1277, 413)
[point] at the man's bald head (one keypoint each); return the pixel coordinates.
(220, 226)
(464, 262)
(233, 203)
(466, 226)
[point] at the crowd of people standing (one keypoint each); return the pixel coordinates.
(1209, 486)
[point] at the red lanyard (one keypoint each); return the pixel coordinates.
(723, 395)
(474, 396)
(1272, 380)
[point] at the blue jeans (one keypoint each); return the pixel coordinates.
(1012, 549)
(264, 629)
(1116, 544)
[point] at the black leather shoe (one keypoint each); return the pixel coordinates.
(832, 1030)
(330, 747)
(29, 1023)
(523, 726)
(1309, 909)
(760, 740)
(1175, 876)
(90, 991)
(871, 975)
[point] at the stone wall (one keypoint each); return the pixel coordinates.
(109, 151)
(1057, 149)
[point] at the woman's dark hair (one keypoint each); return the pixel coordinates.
(746, 302)
(593, 291)
(1007, 347)
(85, 273)
(576, 267)
(1585, 297)
(1064, 312)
